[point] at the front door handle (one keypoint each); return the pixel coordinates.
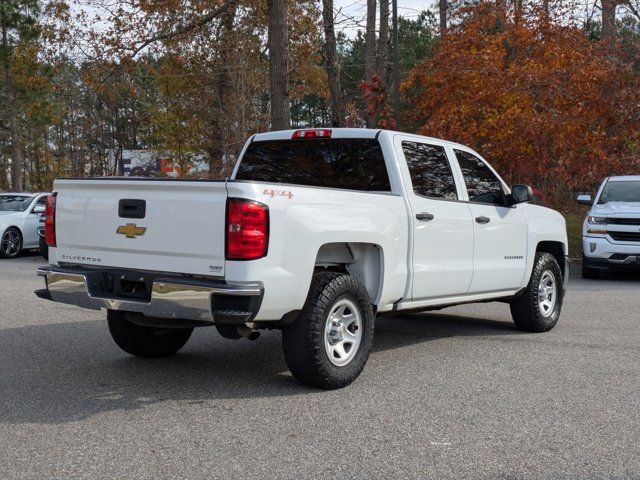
(424, 217)
(483, 219)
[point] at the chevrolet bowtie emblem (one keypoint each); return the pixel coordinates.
(131, 230)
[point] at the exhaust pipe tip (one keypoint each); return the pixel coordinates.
(248, 333)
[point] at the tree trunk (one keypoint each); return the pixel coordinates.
(370, 53)
(10, 108)
(277, 12)
(383, 44)
(396, 66)
(442, 9)
(336, 99)
(609, 19)
(546, 12)
(224, 118)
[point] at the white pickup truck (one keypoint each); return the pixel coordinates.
(611, 231)
(315, 233)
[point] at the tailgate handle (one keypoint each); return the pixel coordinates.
(132, 208)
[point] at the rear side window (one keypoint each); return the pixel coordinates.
(349, 163)
(430, 170)
(482, 184)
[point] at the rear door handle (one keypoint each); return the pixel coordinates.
(483, 219)
(424, 217)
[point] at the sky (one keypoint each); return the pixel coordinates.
(351, 14)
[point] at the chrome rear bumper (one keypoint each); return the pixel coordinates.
(171, 298)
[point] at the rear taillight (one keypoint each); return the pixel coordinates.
(247, 229)
(50, 221)
(312, 133)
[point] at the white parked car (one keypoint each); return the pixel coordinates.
(19, 218)
(316, 233)
(611, 231)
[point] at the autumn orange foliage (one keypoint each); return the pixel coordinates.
(376, 101)
(538, 99)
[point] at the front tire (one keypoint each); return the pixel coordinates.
(146, 342)
(537, 309)
(329, 343)
(10, 243)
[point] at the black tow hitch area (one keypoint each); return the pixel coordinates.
(127, 285)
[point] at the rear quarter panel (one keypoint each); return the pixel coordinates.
(302, 219)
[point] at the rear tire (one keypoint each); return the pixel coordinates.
(329, 343)
(10, 243)
(537, 309)
(589, 272)
(147, 342)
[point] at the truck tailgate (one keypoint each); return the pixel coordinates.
(157, 225)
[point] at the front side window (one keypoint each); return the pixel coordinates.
(482, 184)
(349, 163)
(430, 170)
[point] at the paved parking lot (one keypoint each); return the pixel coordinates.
(453, 394)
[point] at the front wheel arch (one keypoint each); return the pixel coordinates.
(557, 249)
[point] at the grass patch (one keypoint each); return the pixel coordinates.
(574, 232)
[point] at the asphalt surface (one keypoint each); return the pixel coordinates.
(448, 395)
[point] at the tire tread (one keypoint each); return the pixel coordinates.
(524, 309)
(303, 340)
(143, 341)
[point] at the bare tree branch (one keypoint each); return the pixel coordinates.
(182, 29)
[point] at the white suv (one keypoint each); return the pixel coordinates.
(611, 231)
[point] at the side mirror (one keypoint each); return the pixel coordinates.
(39, 209)
(585, 200)
(521, 194)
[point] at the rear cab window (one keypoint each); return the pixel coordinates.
(345, 163)
(430, 172)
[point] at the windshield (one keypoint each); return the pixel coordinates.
(14, 203)
(628, 191)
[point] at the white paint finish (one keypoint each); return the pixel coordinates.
(442, 249)
(604, 247)
(415, 265)
(543, 225)
(184, 221)
(500, 248)
(311, 218)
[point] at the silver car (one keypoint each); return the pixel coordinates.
(19, 220)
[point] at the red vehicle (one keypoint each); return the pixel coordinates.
(538, 198)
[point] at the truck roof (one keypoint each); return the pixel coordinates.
(344, 133)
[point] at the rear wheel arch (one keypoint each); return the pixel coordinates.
(364, 261)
